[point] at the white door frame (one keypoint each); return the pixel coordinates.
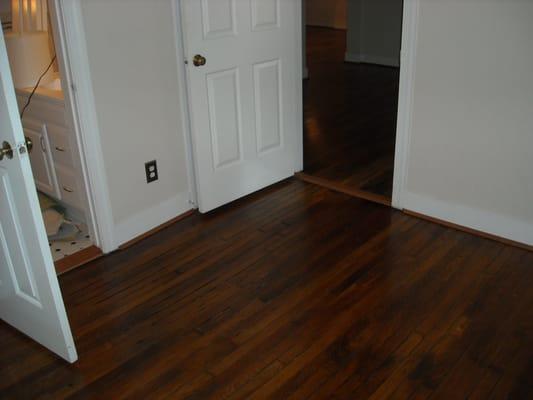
(301, 73)
(405, 99)
(77, 86)
(184, 96)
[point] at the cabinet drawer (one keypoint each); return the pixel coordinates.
(70, 194)
(60, 146)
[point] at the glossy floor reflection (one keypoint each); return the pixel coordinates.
(350, 116)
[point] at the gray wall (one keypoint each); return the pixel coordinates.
(133, 66)
(374, 31)
(471, 148)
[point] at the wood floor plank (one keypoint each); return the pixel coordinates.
(77, 259)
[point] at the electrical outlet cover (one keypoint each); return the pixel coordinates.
(150, 169)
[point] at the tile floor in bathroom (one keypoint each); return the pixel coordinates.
(63, 248)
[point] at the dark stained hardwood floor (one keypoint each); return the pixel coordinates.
(295, 292)
(350, 116)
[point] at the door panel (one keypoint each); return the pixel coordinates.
(265, 14)
(30, 298)
(14, 246)
(225, 116)
(245, 102)
(268, 105)
(218, 18)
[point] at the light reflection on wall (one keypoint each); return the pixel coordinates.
(29, 15)
(313, 131)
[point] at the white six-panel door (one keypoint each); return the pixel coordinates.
(30, 299)
(244, 102)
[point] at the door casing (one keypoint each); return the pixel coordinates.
(405, 100)
(72, 57)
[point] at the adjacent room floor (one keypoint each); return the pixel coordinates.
(350, 116)
(294, 292)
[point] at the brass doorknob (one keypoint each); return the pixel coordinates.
(6, 151)
(29, 144)
(199, 60)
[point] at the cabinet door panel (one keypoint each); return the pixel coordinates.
(42, 164)
(68, 187)
(59, 145)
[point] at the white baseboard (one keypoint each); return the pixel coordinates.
(473, 218)
(151, 218)
(371, 59)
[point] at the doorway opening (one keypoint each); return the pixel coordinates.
(352, 59)
(49, 127)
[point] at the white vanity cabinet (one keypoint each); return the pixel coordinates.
(42, 163)
(52, 159)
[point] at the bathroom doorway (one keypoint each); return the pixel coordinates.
(37, 67)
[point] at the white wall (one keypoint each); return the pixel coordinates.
(471, 146)
(374, 31)
(133, 66)
(330, 13)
